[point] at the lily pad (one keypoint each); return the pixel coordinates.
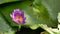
(4, 27)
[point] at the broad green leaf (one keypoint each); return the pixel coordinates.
(43, 14)
(6, 1)
(49, 30)
(4, 27)
(10, 32)
(46, 28)
(58, 32)
(58, 17)
(34, 27)
(52, 7)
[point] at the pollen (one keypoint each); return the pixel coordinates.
(21, 19)
(17, 17)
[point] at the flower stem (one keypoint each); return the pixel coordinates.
(19, 26)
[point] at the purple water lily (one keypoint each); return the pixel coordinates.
(18, 16)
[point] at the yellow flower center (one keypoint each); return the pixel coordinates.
(19, 18)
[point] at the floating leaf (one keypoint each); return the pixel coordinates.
(3, 26)
(6, 1)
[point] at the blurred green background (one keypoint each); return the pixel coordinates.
(37, 12)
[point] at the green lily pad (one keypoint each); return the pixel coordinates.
(6, 1)
(3, 26)
(53, 8)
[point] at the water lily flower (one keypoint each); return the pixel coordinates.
(18, 16)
